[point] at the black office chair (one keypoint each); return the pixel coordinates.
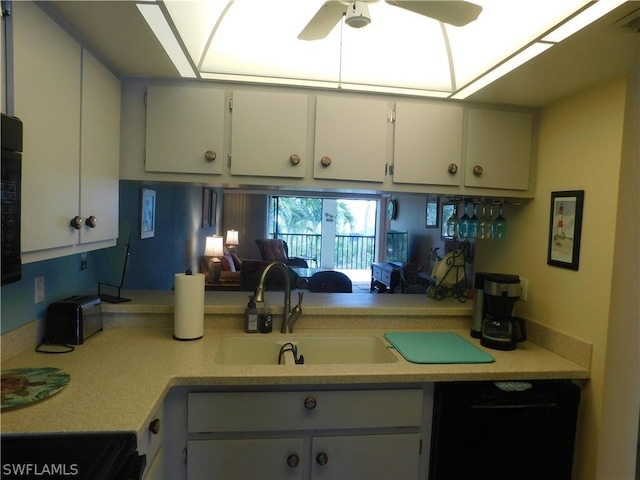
(330, 281)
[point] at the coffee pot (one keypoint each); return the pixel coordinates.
(501, 330)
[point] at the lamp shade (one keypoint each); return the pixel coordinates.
(232, 237)
(213, 247)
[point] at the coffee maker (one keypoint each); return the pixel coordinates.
(500, 329)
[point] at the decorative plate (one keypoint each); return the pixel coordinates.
(23, 386)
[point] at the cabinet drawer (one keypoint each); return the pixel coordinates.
(377, 272)
(269, 411)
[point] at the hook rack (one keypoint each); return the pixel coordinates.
(484, 200)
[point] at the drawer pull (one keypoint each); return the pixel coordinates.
(77, 222)
(322, 458)
(154, 426)
(310, 403)
(293, 460)
(210, 155)
(92, 221)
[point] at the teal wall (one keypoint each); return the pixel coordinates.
(177, 245)
(179, 238)
(62, 278)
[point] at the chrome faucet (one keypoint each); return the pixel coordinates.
(289, 317)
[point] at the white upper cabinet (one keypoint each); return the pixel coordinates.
(47, 80)
(269, 134)
(70, 106)
(99, 151)
(498, 152)
(428, 143)
(185, 129)
(351, 138)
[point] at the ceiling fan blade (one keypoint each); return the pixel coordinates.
(323, 21)
(454, 12)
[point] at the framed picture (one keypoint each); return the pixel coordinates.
(565, 225)
(432, 212)
(447, 210)
(208, 207)
(148, 213)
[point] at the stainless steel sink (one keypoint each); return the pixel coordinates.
(316, 349)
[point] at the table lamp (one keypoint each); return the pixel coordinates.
(232, 240)
(213, 249)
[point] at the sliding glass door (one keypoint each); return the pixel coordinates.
(328, 232)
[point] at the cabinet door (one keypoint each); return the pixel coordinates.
(498, 149)
(391, 456)
(428, 144)
(47, 100)
(351, 133)
(183, 124)
(269, 134)
(229, 459)
(99, 151)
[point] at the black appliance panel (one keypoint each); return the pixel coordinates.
(89, 456)
(11, 199)
(482, 432)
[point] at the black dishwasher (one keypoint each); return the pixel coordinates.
(80, 456)
(504, 430)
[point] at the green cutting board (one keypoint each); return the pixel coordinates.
(436, 347)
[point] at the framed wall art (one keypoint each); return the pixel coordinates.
(209, 206)
(447, 212)
(565, 226)
(148, 213)
(432, 212)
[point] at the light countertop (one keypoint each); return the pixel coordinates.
(121, 375)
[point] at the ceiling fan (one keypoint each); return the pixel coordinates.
(454, 12)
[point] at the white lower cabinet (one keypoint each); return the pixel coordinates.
(243, 458)
(390, 456)
(327, 434)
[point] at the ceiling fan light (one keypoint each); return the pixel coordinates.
(357, 15)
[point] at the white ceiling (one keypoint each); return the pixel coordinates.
(116, 32)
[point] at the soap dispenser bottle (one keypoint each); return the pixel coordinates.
(251, 317)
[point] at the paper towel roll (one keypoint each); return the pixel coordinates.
(188, 316)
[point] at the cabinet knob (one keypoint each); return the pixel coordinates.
(154, 426)
(453, 168)
(92, 221)
(210, 155)
(77, 222)
(293, 460)
(325, 161)
(477, 170)
(322, 458)
(294, 159)
(310, 403)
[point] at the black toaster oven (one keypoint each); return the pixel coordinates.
(73, 320)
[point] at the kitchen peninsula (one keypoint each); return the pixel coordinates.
(120, 377)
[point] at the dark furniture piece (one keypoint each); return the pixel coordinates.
(230, 286)
(385, 275)
(276, 250)
(330, 281)
(252, 271)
